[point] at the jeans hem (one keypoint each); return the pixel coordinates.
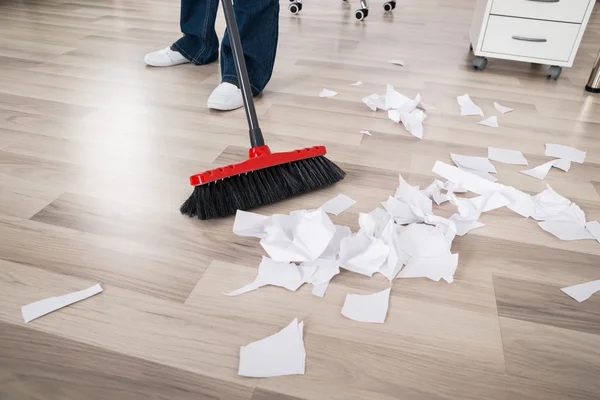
(234, 81)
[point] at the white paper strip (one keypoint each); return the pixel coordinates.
(327, 93)
(280, 354)
(583, 291)
(366, 133)
(367, 308)
(338, 204)
(470, 162)
(46, 306)
(357, 83)
(502, 109)
(507, 156)
(492, 122)
(566, 152)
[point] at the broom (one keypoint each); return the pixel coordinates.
(264, 177)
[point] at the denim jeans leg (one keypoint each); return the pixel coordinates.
(199, 43)
(258, 22)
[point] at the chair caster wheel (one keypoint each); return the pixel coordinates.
(389, 6)
(295, 8)
(361, 14)
(479, 63)
(554, 72)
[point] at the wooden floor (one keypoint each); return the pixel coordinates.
(95, 152)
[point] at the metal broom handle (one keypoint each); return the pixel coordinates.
(256, 137)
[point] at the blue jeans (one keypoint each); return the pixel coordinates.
(258, 22)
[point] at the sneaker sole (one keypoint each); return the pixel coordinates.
(152, 64)
(223, 107)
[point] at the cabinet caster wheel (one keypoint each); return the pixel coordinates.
(295, 8)
(471, 47)
(479, 63)
(389, 6)
(554, 72)
(361, 14)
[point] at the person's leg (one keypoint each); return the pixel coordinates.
(199, 43)
(258, 22)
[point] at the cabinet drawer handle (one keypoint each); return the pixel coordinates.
(530, 39)
(546, 1)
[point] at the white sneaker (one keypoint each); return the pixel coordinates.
(165, 58)
(225, 97)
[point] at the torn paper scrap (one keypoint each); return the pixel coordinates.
(327, 93)
(521, 202)
(367, 308)
(485, 175)
(357, 83)
(397, 257)
(423, 241)
(434, 268)
(507, 156)
(470, 162)
(566, 152)
(549, 204)
(282, 274)
(319, 273)
(374, 223)
(467, 107)
(333, 249)
(490, 202)
(250, 224)
(594, 228)
(280, 354)
(397, 62)
(583, 291)
(362, 254)
(434, 192)
(400, 102)
(46, 306)
(464, 226)
(301, 236)
(366, 133)
(338, 204)
(502, 109)
(375, 102)
(541, 171)
(413, 122)
(568, 225)
(492, 122)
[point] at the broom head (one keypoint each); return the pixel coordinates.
(263, 178)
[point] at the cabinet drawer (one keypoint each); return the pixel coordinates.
(530, 38)
(553, 10)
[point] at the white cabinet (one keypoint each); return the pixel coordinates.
(535, 31)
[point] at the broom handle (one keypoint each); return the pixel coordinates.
(256, 137)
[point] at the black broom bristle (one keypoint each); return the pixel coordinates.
(264, 186)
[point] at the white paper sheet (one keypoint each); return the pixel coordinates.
(474, 163)
(327, 93)
(282, 274)
(434, 268)
(492, 122)
(397, 62)
(502, 109)
(319, 273)
(413, 122)
(583, 291)
(398, 101)
(485, 175)
(424, 241)
(39, 308)
(338, 204)
(374, 223)
(548, 204)
(541, 171)
(362, 254)
(490, 202)
(366, 133)
(250, 224)
(301, 236)
(280, 354)
(565, 152)
(464, 226)
(375, 102)
(467, 107)
(507, 156)
(367, 308)
(333, 249)
(594, 228)
(568, 225)
(522, 203)
(357, 83)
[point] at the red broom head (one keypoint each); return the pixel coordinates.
(258, 158)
